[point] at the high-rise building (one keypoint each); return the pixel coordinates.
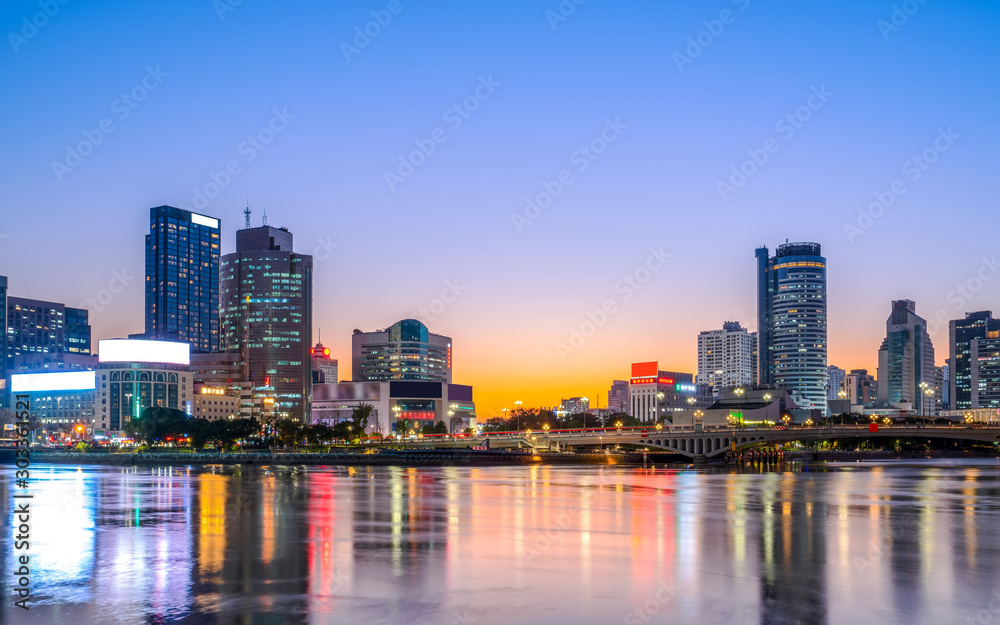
(266, 311)
(792, 322)
(979, 331)
(324, 367)
(859, 388)
(182, 278)
(40, 332)
(946, 385)
(405, 350)
(618, 396)
(906, 372)
(984, 378)
(834, 381)
(3, 342)
(727, 357)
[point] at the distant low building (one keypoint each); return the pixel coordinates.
(575, 405)
(618, 396)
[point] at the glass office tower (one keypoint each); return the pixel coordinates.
(792, 322)
(971, 342)
(182, 278)
(406, 350)
(266, 302)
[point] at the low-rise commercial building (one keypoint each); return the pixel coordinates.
(419, 403)
(135, 374)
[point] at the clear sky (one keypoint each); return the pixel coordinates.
(638, 121)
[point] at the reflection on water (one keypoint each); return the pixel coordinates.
(882, 543)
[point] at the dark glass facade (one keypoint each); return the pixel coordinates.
(792, 322)
(266, 305)
(980, 327)
(182, 278)
(40, 333)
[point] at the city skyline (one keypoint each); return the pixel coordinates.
(463, 242)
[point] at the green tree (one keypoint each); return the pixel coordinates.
(360, 416)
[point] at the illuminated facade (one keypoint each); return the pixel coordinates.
(727, 357)
(40, 332)
(324, 368)
(655, 395)
(792, 322)
(138, 374)
(214, 403)
(404, 351)
(64, 399)
(182, 278)
(419, 403)
(975, 363)
(266, 308)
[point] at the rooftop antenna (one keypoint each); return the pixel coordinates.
(265, 215)
(246, 214)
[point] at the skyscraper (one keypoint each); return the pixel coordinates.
(182, 278)
(975, 369)
(406, 350)
(40, 333)
(3, 342)
(266, 310)
(834, 381)
(906, 360)
(792, 321)
(324, 367)
(727, 357)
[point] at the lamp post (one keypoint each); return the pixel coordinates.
(739, 393)
(659, 405)
(767, 404)
(518, 409)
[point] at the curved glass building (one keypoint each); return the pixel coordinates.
(792, 321)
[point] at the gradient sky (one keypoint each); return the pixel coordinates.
(383, 254)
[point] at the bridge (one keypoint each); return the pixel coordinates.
(709, 442)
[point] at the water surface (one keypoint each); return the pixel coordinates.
(892, 542)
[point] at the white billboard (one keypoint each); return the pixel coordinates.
(204, 221)
(54, 381)
(142, 350)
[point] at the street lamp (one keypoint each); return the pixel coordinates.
(659, 404)
(618, 424)
(739, 393)
(518, 409)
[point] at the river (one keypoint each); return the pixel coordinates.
(844, 543)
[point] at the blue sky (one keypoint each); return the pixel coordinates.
(389, 253)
